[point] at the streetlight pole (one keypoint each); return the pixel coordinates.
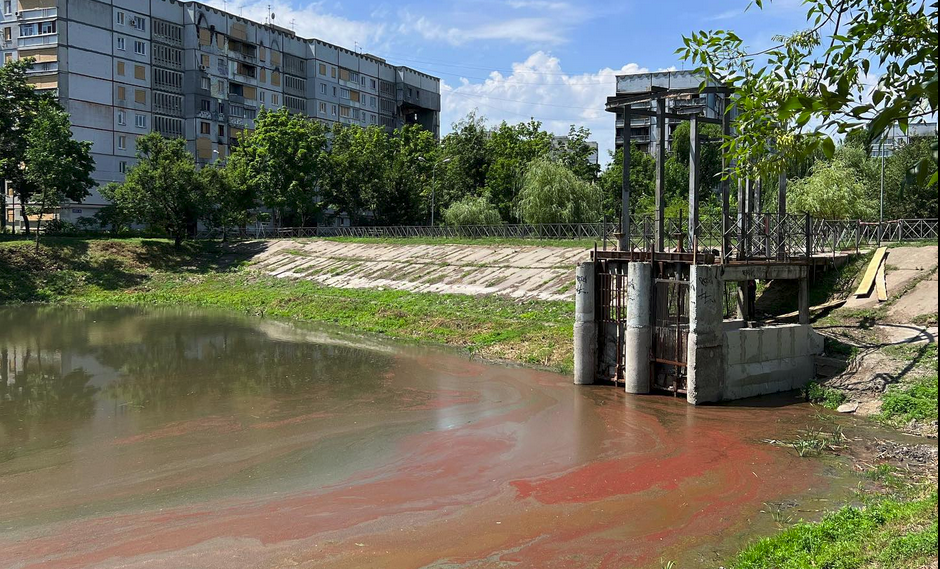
(433, 182)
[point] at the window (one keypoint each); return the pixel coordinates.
(47, 27)
(323, 88)
(140, 72)
(122, 44)
(322, 65)
(322, 108)
(222, 130)
(121, 117)
(205, 83)
(204, 128)
(204, 60)
(120, 18)
(344, 93)
(122, 142)
(333, 110)
(363, 82)
(7, 34)
(140, 121)
(140, 48)
(7, 6)
(275, 99)
(372, 83)
(334, 91)
(261, 96)
(204, 105)
(372, 102)
(333, 72)
(122, 167)
(221, 108)
(139, 23)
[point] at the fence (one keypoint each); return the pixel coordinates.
(757, 235)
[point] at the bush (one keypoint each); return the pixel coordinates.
(917, 401)
(59, 227)
(472, 211)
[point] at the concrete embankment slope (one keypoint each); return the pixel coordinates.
(523, 272)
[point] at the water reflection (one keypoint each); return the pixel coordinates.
(57, 363)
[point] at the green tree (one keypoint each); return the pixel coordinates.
(283, 163)
(709, 152)
(406, 199)
(908, 195)
(831, 191)
(163, 190)
(791, 96)
(58, 167)
(18, 106)
(471, 211)
(228, 198)
(512, 148)
(358, 170)
(551, 193)
(577, 155)
(642, 182)
(466, 147)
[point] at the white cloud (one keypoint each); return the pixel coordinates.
(312, 21)
(536, 30)
(538, 88)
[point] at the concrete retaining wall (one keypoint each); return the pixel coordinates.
(770, 359)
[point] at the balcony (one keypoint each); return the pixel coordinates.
(37, 41)
(40, 68)
(37, 13)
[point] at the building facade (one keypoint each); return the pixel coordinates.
(643, 130)
(123, 68)
(894, 137)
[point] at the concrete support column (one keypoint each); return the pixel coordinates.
(706, 367)
(638, 336)
(804, 300)
(585, 326)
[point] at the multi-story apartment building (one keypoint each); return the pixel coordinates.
(894, 137)
(643, 130)
(123, 68)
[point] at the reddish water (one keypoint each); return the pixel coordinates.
(165, 439)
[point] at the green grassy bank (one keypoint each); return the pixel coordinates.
(152, 272)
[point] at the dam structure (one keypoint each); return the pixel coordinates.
(672, 309)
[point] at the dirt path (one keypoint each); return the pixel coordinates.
(529, 272)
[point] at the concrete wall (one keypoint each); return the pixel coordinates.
(770, 359)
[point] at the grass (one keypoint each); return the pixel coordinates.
(151, 272)
(825, 396)
(916, 401)
(888, 533)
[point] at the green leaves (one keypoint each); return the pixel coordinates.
(789, 95)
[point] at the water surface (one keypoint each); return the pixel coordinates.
(166, 438)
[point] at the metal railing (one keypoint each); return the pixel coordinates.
(769, 236)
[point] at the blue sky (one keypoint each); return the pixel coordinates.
(552, 60)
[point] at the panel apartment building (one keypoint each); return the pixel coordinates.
(643, 130)
(123, 68)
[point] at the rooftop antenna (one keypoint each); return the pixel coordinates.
(293, 23)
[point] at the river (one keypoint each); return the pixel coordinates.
(171, 438)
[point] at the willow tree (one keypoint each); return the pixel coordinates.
(551, 193)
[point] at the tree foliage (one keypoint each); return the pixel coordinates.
(57, 167)
(792, 96)
(472, 210)
(551, 193)
(163, 190)
(831, 191)
(283, 163)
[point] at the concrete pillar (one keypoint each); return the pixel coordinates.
(804, 300)
(585, 326)
(706, 366)
(638, 336)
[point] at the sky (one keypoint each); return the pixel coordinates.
(551, 60)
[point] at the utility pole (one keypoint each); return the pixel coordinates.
(433, 182)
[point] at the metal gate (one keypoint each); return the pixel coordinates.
(669, 355)
(611, 315)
